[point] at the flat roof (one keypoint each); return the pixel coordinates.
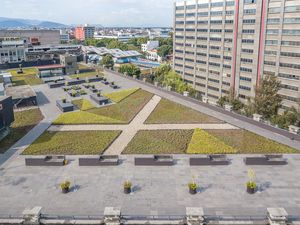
(55, 66)
(20, 92)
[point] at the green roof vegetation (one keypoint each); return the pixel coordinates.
(159, 142)
(245, 142)
(84, 117)
(28, 77)
(168, 112)
(83, 104)
(72, 143)
(204, 143)
(120, 113)
(120, 95)
(24, 122)
(84, 75)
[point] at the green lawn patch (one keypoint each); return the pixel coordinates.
(127, 109)
(120, 113)
(84, 75)
(29, 77)
(120, 95)
(204, 143)
(72, 143)
(24, 122)
(169, 112)
(246, 142)
(83, 104)
(159, 142)
(84, 117)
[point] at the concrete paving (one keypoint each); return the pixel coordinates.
(126, 136)
(242, 122)
(157, 190)
(223, 126)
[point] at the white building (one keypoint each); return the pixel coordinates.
(153, 55)
(150, 45)
(12, 51)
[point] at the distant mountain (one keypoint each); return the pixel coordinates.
(23, 23)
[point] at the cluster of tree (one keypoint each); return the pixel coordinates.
(267, 103)
(107, 43)
(166, 47)
(107, 62)
(130, 70)
(165, 76)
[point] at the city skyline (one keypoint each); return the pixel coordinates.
(120, 13)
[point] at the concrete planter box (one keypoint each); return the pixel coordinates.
(105, 82)
(228, 107)
(65, 107)
(75, 82)
(56, 85)
(156, 160)
(46, 161)
(257, 117)
(294, 129)
(94, 79)
(186, 93)
(99, 99)
(266, 160)
(210, 160)
(108, 160)
(205, 99)
(113, 86)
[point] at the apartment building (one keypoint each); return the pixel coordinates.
(223, 45)
(12, 50)
(85, 32)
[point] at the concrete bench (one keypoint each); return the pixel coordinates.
(210, 160)
(156, 160)
(46, 161)
(107, 160)
(266, 160)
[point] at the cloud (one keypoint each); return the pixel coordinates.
(105, 12)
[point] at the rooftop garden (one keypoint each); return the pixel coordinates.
(72, 143)
(28, 77)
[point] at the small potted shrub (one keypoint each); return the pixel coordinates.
(193, 188)
(127, 187)
(64, 100)
(77, 77)
(65, 186)
(97, 75)
(98, 93)
(251, 184)
(93, 86)
(251, 187)
(55, 81)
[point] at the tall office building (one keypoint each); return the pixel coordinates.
(221, 45)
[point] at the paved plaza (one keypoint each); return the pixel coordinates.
(157, 190)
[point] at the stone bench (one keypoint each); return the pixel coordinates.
(210, 160)
(75, 82)
(107, 160)
(156, 160)
(266, 160)
(94, 79)
(46, 161)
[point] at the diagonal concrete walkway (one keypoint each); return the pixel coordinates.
(126, 136)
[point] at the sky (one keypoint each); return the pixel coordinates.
(104, 12)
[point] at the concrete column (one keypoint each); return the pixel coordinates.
(194, 216)
(277, 216)
(112, 216)
(32, 216)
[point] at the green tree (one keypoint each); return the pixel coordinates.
(289, 117)
(130, 70)
(164, 50)
(107, 61)
(267, 101)
(161, 71)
